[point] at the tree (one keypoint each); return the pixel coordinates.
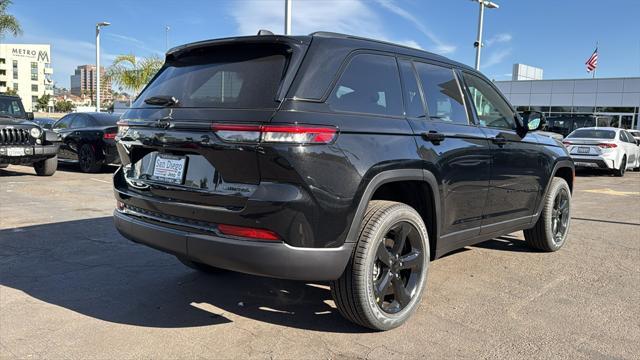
(63, 106)
(11, 91)
(132, 73)
(43, 102)
(8, 23)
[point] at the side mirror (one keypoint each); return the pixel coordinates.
(533, 120)
(29, 116)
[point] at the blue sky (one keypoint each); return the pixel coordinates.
(557, 35)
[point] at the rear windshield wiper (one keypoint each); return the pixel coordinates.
(162, 100)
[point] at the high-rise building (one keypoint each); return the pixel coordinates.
(26, 69)
(83, 82)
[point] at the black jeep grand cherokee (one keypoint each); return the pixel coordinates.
(331, 157)
(22, 142)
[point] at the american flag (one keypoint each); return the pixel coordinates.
(592, 63)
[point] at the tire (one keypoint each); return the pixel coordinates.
(46, 167)
(544, 236)
(200, 266)
(88, 160)
(403, 273)
(623, 167)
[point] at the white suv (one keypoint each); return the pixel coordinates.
(604, 148)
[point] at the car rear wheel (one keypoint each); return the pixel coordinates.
(46, 167)
(200, 266)
(383, 282)
(623, 167)
(552, 228)
(88, 160)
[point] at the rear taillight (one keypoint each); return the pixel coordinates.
(291, 134)
(109, 136)
(607, 145)
(567, 143)
(247, 232)
(237, 133)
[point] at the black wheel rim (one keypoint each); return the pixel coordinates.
(85, 157)
(398, 267)
(560, 216)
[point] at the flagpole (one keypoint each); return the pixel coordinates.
(596, 68)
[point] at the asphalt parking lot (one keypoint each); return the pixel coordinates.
(72, 287)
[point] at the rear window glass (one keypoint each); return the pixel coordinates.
(236, 77)
(593, 134)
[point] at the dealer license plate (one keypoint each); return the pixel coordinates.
(169, 169)
(15, 151)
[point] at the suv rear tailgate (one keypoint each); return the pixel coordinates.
(234, 81)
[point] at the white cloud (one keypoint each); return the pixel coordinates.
(354, 17)
(138, 44)
(496, 57)
(348, 16)
(499, 38)
(440, 46)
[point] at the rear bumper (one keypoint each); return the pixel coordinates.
(592, 162)
(272, 259)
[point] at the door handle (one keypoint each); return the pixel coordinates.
(499, 140)
(433, 136)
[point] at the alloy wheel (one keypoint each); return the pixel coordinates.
(560, 216)
(398, 267)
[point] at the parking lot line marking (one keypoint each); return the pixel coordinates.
(100, 180)
(608, 191)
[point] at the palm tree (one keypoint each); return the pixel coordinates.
(8, 23)
(132, 73)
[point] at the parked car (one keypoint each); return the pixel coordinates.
(635, 134)
(604, 148)
(45, 123)
(23, 142)
(333, 158)
(88, 139)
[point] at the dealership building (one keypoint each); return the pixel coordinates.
(615, 99)
(26, 68)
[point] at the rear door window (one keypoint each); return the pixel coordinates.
(413, 105)
(369, 84)
(244, 76)
(80, 121)
(442, 93)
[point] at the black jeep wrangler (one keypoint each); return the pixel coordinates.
(23, 142)
(333, 158)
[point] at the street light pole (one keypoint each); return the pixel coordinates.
(478, 44)
(166, 37)
(287, 17)
(98, 26)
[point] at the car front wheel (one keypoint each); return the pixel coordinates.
(46, 167)
(384, 280)
(552, 228)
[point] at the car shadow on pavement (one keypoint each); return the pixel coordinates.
(75, 168)
(87, 267)
(506, 243)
